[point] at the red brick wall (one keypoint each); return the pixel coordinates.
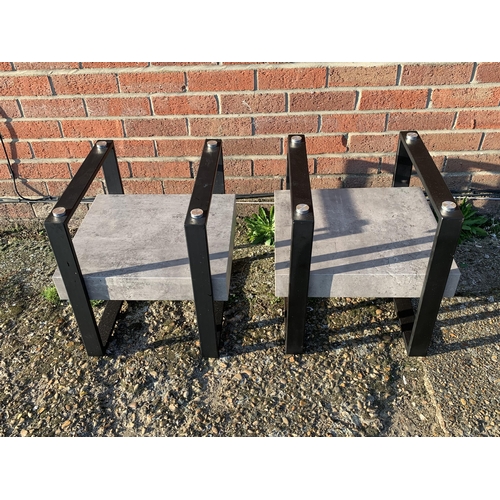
(160, 113)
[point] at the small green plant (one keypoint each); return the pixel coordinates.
(473, 222)
(260, 227)
(50, 294)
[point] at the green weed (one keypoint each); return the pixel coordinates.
(260, 227)
(474, 224)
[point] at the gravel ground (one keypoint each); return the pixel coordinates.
(354, 378)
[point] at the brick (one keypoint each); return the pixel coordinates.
(322, 101)
(291, 78)
(488, 72)
(252, 146)
(17, 150)
(472, 163)
(478, 119)
(326, 144)
(114, 64)
(220, 127)
(178, 187)
(43, 170)
(61, 149)
(217, 80)
(16, 211)
(150, 127)
(24, 85)
(373, 143)
(30, 129)
(237, 168)
(45, 65)
(254, 185)
(131, 186)
(151, 83)
(368, 181)
(269, 167)
(161, 169)
(346, 165)
(457, 182)
(452, 141)
(93, 129)
(289, 124)
(427, 120)
(469, 97)
(320, 182)
(118, 106)
(436, 74)
(85, 84)
(6, 66)
(56, 188)
(276, 167)
(9, 109)
(486, 206)
(393, 99)
(134, 148)
(181, 147)
(53, 108)
(185, 105)
(353, 122)
(362, 76)
(252, 103)
(182, 64)
(29, 189)
(491, 141)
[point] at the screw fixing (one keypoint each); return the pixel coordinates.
(59, 212)
(296, 139)
(212, 144)
(302, 208)
(196, 213)
(101, 144)
(448, 206)
(411, 137)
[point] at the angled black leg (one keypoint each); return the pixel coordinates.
(301, 244)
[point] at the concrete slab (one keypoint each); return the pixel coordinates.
(133, 247)
(368, 242)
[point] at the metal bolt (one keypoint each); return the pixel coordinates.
(196, 213)
(101, 144)
(212, 144)
(411, 137)
(448, 206)
(59, 212)
(296, 139)
(302, 208)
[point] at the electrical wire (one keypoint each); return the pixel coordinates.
(11, 171)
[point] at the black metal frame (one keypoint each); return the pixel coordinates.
(297, 180)
(416, 328)
(95, 338)
(209, 179)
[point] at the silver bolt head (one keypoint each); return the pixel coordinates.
(212, 144)
(302, 208)
(296, 139)
(411, 137)
(448, 206)
(101, 144)
(59, 212)
(196, 213)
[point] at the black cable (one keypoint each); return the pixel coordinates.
(43, 198)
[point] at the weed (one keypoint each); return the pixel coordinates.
(260, 227)
(50, 294)
(473, 225)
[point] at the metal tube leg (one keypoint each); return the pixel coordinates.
(445, 242)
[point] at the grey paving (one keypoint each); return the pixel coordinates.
(367, 243)
(133, 247)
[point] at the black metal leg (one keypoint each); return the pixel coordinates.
(301, 244)
(445, 242)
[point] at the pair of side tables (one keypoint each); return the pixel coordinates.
(351, 242)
